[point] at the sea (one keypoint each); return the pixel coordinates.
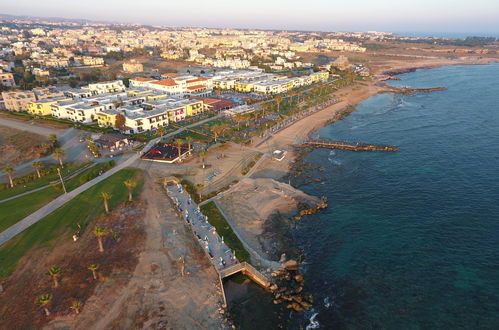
(410, 239)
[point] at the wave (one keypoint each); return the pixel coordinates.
(314, 324)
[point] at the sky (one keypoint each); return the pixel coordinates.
(425, 16)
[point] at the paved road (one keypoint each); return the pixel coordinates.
(33, 218)
(68, 138)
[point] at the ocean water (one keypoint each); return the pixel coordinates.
(411, 238)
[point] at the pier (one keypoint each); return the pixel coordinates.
(353, 146)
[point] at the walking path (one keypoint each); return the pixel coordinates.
(33, 218)
(220, 255)
(53, 183)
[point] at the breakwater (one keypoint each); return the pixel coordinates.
(353, 146)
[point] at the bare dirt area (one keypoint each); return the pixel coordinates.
(255, 210)
(76, 282)
(17, 147)
(155, 295)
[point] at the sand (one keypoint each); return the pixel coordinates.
(157, 295)
(254, 204)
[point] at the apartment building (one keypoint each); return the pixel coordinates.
(18, 100)
(7, 79)
(106, 87)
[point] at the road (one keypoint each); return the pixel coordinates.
(68, 139)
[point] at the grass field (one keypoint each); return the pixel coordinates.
(37, 183)
(217, 220)
(62, 223)
(19, 208)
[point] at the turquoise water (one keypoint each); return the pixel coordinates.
(411, 239)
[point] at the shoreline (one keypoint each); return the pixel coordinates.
(351, 96)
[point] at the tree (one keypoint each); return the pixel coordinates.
(76, 306)
(161, 131)
(43, 301)
(93, 268)
(130, 184)
(37, 166)
(200, 186)
(179, 143)
(202, 155)
(278, 100)
(239, 118)
(119, 121)
(223, 147)
(59, 154)
(54, 272)
(106, 197)
(100, 232)
(189, 142)
(264, 107)
(52, 138)
(215, 129)
(9, 171)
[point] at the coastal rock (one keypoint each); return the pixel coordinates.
(299, 278)
(291, 265)
(297, 307)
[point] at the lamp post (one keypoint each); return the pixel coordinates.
(62, 181)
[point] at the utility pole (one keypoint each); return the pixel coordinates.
(62, 181)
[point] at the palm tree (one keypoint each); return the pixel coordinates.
(203, 155)
(59, 154)
(239, 118)
(264, 107)
(54, 272)
(223, 147)
(76, 306)
(130, 184)
(43, 301)
(93, 268)
(106, 197)
(52, 138)
(161, 131)
(215, 129)
(189, 142)
(99, 232)
(37, 166)
(278, 100)
(9, 171)
(179, 143)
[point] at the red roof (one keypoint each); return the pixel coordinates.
(170, 74)
(166, 82)
(196, 87)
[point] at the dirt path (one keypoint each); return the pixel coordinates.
(157, 295)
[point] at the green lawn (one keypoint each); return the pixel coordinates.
(19, 208)
(60, 224)
(37, 183)
(217, 220)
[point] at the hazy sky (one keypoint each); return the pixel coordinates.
(332, 15)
